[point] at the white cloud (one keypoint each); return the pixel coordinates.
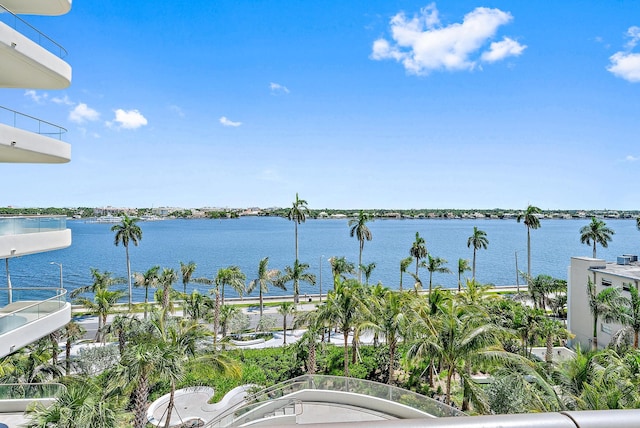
(226, 122)
(625, 65)
(38, 98)
(631, 158)
(501, 50)
(633, 33)
(128, 119)
(277, 88)
(83, 113)
(64, 101)
(422, 44)
(177, 110)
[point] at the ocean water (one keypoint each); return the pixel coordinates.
(214, 244)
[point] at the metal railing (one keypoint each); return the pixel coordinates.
(30, 123)
(20, 311)
(28, 30)
(18, 225)
(333, 383)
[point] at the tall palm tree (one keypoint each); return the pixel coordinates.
(285, 309)
(463, 266)
(166, 280)
(127, 231)
(596, 232)
(605, 304)
(265, 278)
(187, 270)
(339, 267)
(72, 332)
(227, 314)
(297, 273)
(418, 250)
(298, 214)
(530, 219)
(436, 264)
(146, 280)
(478, 241)
(368, 270)
(404, 265)
(360, 230)
(393, 322)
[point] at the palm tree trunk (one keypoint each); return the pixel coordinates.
(126, 247)
(594, 248)
(635, 339)
(67, 359)
(360, 262)
(171, 404)
(261, 301)
(345, 335)
(474, 263)
(284, 329)
(392, 358)
(140, 403)
(528, 255)
(311, 365)
(594, 343)
(548, 355)
(146, 300)
(448, 386)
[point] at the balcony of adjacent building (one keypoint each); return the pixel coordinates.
(24, 235)
(30, 313)
(16, 398)
(38, 7)
(29, 58)
(26, 139)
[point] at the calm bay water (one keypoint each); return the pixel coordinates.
(213, 244)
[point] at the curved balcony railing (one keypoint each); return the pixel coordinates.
(30, 123)
(18, 225)
(28, 304)
(334, 383)
(28, 30)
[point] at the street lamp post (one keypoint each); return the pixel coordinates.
(60, 266)
(321, 278)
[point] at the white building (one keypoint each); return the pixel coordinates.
(32, 60)
(623, 273)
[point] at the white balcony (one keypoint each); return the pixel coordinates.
(29, 58)
(38, 7)
(31, 313)
(20, 236)
(25, 139)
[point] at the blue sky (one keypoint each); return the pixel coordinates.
(353, 104)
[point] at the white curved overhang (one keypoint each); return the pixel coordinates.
(32, 243)
(20, 146)
(25, 322)
(25, 64)
(38, 7)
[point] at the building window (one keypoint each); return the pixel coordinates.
(605, 282)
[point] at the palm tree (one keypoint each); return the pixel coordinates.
(297, 273)
(265, 277)
(196, 305)
(82, 404)
(404, 265)
(127, 231)
(72, 331)
(345, 308)
(478, 241)
(232, 276)
(551, 330)
(123, 327)
(596, 232)
(605, 304)
(463, 266)
(227, 314)
(103, 298)
(360, 230)
(530, 219)
(368, 270)
(146, 280)
(339, 267)
(436, 264)
(166, 280)
(285, 309)
(630, 314)
(298, 213)
(187, 270)
(418, 250)
(393, 322)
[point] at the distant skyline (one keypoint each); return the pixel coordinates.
(376, 104)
